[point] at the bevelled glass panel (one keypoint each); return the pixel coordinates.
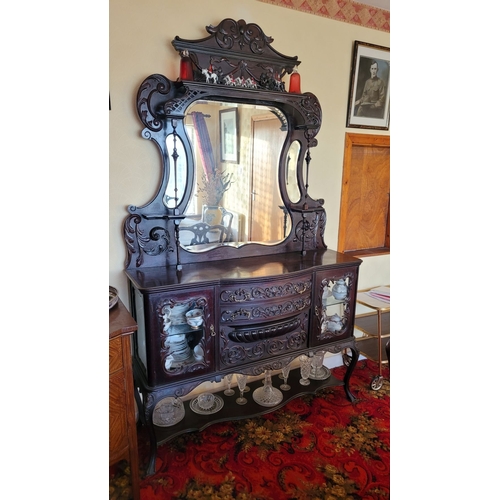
(292, 160)
(178, 171)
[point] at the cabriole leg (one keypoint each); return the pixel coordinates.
(350, 368)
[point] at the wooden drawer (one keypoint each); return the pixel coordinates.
(264, 312)
(255, 303)
(240, 344)
(115, 355)
(259, 291)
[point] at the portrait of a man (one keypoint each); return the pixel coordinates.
(372, 100)
(369, 92)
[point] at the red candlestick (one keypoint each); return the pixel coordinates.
(186, 71)
(294, 86)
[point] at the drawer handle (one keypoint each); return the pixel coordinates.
(212, 331)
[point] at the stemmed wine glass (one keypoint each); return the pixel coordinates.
(305, 369)
(241, 378)
(285, 370)
(228, 379)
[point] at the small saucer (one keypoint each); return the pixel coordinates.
(323, 374)
(218, 404)
(174, 418)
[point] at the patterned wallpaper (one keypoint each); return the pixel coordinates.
(341, 10)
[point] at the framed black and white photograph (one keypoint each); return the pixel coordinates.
(369, 92)
(229, 135)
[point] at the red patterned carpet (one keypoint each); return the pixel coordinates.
(315, 447)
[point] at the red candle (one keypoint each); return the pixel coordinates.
(186, 72)
(294, 86)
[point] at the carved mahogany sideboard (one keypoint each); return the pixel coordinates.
(122, 424)
(263, 300)
(259, 313)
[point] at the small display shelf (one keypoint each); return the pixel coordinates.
(232, 411)
(375, 327)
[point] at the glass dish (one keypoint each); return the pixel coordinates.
(169, 411)
(218, 404)
(322, 374)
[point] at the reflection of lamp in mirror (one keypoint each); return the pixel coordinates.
(294, 86)
(186, 72)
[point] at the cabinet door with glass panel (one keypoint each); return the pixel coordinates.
(184, 345)
(334, 305)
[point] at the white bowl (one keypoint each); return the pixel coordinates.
(194, 317)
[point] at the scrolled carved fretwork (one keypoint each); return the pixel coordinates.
(229, 32)
(178, 105)
(312, 110)
(322, 224)
(258, 293)
(232, 355)
(154, 87)
(234, 51)
(310, 229)
(264, 312)
(240, 295)
(141, 241)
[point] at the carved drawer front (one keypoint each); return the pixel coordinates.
(241, 344)
(115, 355)
(257, 302)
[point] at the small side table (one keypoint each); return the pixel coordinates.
(375, 327)
(122, 424)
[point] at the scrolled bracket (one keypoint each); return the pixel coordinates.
(140, 241)
(153, 90)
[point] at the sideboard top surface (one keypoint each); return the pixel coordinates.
(260, 267)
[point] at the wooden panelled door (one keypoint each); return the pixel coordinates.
(364, 210)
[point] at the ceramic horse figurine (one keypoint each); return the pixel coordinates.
(210, 77)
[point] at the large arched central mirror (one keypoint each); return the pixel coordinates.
(236, 153)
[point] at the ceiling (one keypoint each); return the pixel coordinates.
(381, 4)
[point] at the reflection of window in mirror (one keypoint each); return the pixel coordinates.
(191, 208)
(292, 159)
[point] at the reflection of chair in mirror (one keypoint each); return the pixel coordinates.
(219, 216)
(204, 233)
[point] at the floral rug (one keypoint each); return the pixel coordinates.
(316, 447)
